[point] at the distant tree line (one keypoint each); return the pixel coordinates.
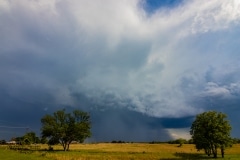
(2, 142)
(236, 140)
(181, 141)
(27, 139)
(119, 141)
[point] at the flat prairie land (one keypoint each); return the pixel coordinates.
(116, 151)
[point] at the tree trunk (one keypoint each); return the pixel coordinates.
(222, 152)
(215, 151)
(64, 144)
(68, 146)
(208, 151)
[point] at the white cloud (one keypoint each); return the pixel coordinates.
(4, 5)
(152, 64)
(213, 89)
(229, 91)
(179, 133)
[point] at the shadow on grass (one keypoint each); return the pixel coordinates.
(188, 156)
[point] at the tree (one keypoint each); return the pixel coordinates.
(211, 131)
(2, 141)
(27, 139)
(179, 141)
(236, 140)
(43, 140)
(66, 127)
(31, 138)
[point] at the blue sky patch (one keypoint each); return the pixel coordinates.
(152, 5)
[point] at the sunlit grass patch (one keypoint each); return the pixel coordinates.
(111, 151)
(7, 154)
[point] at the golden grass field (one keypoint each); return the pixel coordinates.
(123, 151)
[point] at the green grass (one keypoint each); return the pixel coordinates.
(109, 151)
(7, 154)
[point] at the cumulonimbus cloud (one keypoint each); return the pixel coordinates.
(114, 54)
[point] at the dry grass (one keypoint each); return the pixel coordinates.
(130, 151)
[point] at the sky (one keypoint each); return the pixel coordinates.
(143, 69)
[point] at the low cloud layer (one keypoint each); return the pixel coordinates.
(172, 62)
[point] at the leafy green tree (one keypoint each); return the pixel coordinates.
(236, 140)
(211, 131)
(28, 138)
(179, 141)
(66, 127)
(31, 138)
(190, 141)
(43, 140)
(2, 141)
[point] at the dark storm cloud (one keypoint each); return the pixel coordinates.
(166, 66)
(121, 124)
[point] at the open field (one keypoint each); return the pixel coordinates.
(109, 151)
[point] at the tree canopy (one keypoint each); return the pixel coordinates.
(28, 138)
(62, 127)
(211, 131)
